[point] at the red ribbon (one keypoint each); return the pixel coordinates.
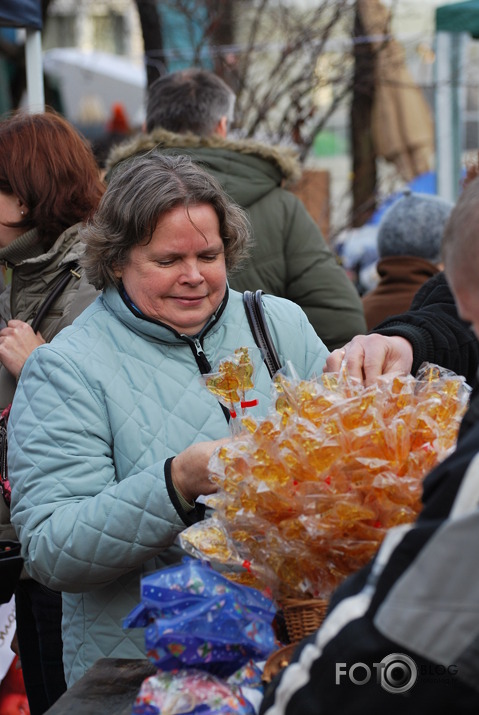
(249, 403)
(244, 403)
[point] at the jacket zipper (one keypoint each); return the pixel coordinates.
(200, 355)
(203, 364)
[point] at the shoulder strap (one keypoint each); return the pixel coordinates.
(255, 314)
(58, 288)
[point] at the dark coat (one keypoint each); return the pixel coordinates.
(436, 332)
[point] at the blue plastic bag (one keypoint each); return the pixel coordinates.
(194, 617)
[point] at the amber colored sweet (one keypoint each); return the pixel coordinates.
(245, 578)
(232, 380)
(226, 384)
(306, 495)
(211, 539)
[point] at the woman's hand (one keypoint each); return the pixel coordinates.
(367, 357)
(17, 342)
(189, 469)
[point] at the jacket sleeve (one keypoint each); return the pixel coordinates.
(290, 259)
(436, 332)
(79, 526)
(317, 282)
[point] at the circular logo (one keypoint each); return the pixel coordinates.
(398, 673)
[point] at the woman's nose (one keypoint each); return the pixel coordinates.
(192, 272)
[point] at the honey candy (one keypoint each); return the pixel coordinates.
(306, 494)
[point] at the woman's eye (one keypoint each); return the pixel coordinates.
(166, 262)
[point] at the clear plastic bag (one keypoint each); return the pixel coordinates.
(307, 493)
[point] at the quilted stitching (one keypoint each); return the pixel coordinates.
(92, 419)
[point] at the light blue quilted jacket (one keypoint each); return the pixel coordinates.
(98, 414)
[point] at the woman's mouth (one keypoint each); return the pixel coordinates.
(189, 300)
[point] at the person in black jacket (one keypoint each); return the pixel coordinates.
(430, 331)
(402, 634)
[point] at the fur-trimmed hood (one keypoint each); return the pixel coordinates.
(284, 159)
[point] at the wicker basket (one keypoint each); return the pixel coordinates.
(277, 661)
(303, 616)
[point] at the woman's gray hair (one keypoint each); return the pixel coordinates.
(141, 191)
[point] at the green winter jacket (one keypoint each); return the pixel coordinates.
(34, 273)
(98, 415)
(290, 257)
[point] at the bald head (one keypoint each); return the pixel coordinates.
(460, 252)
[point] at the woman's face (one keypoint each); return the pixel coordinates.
(179, 277)
(10, 208)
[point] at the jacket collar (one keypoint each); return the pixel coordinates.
(27, 250)
(141, 324)
(24, 247)
(284, 158)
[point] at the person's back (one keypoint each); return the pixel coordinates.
(189, 112)
(409, 247)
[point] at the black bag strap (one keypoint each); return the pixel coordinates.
(255, 314)
(59, 287)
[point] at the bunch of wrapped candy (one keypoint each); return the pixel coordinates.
(205, 635)
(191, 692)
(306, 495)
(231, 382)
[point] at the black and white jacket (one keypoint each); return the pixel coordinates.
(402, 635)
(435, 330)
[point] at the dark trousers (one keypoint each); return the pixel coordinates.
(39, 615)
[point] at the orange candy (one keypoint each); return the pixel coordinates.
(306, 494)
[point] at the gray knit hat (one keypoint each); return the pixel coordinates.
(413, 226)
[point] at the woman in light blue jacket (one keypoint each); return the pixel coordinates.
(112, 429)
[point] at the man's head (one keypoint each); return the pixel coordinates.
(460, 254)
(191, 100)
(413, 226)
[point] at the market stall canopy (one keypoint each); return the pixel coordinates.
(459, 17)
(456, 23)
(28, 14)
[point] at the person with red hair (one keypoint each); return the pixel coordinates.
(49, 185)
